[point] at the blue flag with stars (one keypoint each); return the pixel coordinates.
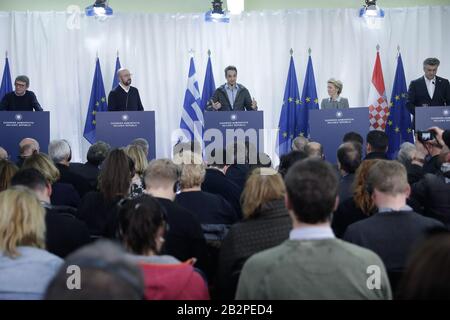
(288, 125)
(309, 99)
(209, 85)
(6, 86)
(97, 103)
(116, 78)
(399, 127)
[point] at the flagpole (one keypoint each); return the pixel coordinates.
(309, 52)
(291, 52)
(117, 53)
(398, 50)
(378, 48)
(209, 53)
(6, 54)
(191, 52)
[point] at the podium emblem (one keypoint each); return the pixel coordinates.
(125, 117)
(18, 117)
(233, 117)
(339, 114)
(446, 112)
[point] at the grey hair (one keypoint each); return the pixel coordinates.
(23, 78)
(431, 62)
(59, 150)
(406, 153)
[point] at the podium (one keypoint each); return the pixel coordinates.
(329, 126)
(224, 128)
(15, 126)
(427, 117)
(120, 128)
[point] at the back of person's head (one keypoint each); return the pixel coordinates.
(388, 177)
(262, 186)
(193, 169)
(288, 159)
(353, 137)
(98, 152)
(7, 170)
(42, 163)
(137, 154)
(312, 188)
(59, 151)
(141, 142)
(427, 274)
(30, 178)
(161, 173)
(28, 146)
(22, 220)
(406, 153)
(3, 154)
(361, 196)
(105, 273)
(349, 157)
(314, 149)
(377, 140)
(299, 143)
(115, 175)
(264, 160)
(141, 225)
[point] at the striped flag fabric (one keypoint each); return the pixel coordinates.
(377, 101)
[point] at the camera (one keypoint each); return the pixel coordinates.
(424, 136)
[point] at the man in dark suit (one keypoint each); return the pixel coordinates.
(124, 97)
(231, 96)
(429, 90)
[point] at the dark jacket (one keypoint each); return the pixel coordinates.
(346, 214)
(418, 94)
(27, 102)
(64, 194)
(446, 137)
(238, 173)
(78, 182)
(120, 100)
(88, 171)
(269, 228)
(432, 165)
(376, 155)
(242, 101)
(346, 187)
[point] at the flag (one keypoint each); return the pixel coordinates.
(309, 99)
(6, 86)
(192, 116)
(288, 126)
(116, 78)
(209, 85)
(398, 128)
(377, 102)
(97, 103)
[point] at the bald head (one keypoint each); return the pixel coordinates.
(28, 146)
(124, 76)
(3, 154)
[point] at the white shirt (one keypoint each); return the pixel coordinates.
(311, 233)
(124, 88)
(431, 85)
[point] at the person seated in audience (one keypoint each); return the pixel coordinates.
(427, 274)
(299, 143)
(314, 149)
(91, 169)
(432, 193)
(142, 226)
(348, 159)
(27, 147)
(63, 194)
(98, 209)
(141, 142)
(217, 182)
(287, 160)
(358, 207)
(394, 229)
(3, 154)
(7, 171)
(312, 263)
(61, 154)
(139, 158)
(184, 238)
(412, 160)
(266, 224)
(26, 268)
(355, 138)
(377, 145)
(106, 273)
(64, 233)
(239, 168)
(406, 153)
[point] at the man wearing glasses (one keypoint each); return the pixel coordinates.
(20, 99)
(124, 97)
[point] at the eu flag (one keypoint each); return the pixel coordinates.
(97, 103)
(288, 125)
(6, 86)
(209, 85)
(399, 128)
(309, 99)
(116, 78)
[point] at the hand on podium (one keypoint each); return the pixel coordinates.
(216, 105)
(254, 104)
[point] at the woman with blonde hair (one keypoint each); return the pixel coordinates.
(26, 267)
(360, 206)
(137, 154)
(63, 194)
(335, 101)
(7, 171)
(266, 224)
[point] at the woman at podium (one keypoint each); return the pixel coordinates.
(335, 101)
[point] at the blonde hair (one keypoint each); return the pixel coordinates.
(137, 154)
(7, 171)
(263, 185)
(22, 220)
(42, 163)
(337, 83)
(193, 169)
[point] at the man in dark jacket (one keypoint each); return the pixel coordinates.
(377, 145)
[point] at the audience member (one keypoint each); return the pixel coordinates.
(7, 170)
(377, 145)
(349, 159)
(137, 154)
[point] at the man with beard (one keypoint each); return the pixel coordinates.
(124, 97)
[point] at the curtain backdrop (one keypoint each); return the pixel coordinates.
(57, 51)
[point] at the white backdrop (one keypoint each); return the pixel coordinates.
(58, 53)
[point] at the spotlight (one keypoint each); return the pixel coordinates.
(217, 14)
(99, 9)
(371, 10)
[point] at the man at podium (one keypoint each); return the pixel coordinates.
(20, 99)
(124, 97)
(231, 96)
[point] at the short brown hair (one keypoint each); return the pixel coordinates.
(230, 68)
(263, 185)
(115, 175)
(388, 176)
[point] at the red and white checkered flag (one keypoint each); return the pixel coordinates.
(377, 102)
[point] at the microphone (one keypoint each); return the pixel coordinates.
(126, 102)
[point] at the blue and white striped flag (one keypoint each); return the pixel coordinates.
(192, 118)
